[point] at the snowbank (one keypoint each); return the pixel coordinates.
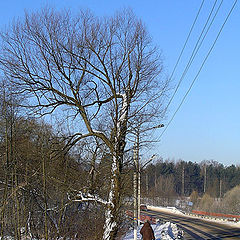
(165, 209)
(206, 218)
(165, 231)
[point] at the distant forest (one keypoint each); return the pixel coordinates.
(168, 178)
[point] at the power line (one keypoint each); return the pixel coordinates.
(209, 52)
(195, 50)
(200, 41)
(181, 53)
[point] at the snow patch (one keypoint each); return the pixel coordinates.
(178, 212)
(165, 209)
(167, 231)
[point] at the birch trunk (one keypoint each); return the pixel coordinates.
(114, 199)
(110, 227)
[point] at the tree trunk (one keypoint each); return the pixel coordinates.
(112, 212)
(111, 226)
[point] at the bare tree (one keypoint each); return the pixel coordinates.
(101, 70)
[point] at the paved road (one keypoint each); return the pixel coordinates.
(199, 229)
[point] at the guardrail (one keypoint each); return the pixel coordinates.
(230, 217)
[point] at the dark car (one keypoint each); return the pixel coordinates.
(143, 207)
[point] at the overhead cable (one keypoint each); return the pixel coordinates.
(181, 53)
(202, 65)
(195, 50)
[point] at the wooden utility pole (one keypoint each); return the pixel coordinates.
(220, 189)
(205, 178)
(135, 212)
(139, 179)
(137, 182)
(146, 183)
(183, 177)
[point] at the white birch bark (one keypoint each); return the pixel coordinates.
(113, 198)
(110, 222)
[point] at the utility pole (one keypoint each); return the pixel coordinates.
(183, 187)
(205, 178)
(155, 179)
(137, 182)
(135, 212)
(147, 183)
(220, 189)
(139, 179)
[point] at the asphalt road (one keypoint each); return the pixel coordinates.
(195, 228)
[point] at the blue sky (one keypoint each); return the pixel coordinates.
(208, 124)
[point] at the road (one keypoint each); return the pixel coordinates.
(195, 228)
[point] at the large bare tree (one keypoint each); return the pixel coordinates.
(104, 71)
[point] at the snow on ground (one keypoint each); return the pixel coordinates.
(217, 220)
(169, 230)
(165, 209)
(206, 218)
(165, 231)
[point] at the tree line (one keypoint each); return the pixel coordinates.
(180, 178)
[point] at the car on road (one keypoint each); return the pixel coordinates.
(143, 207)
